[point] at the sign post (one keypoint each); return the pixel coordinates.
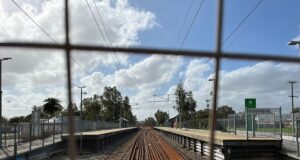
(249, 103)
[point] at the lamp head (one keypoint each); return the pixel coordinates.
(293, 43)
(5, 58)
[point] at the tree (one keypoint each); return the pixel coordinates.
(75, 110)
(185, 103)
(92, 108)
(17, 119)
(223, 111)
(202, 114)
(126, 111)
(39, 109)
(52, 106)
(161, 117)
(110, 106)
(112, 102)
(150, 121)
(296, 110)
(4, 120)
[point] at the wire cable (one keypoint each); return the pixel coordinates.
(185, 36)
(191, 25)
(184, 22)
(108, 43)
(243, 21)
(50, 37)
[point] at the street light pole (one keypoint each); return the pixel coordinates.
(81, 98)
(292, 96)
(80, 147)
(292, 43)
(212, 93)
(207, 104)
(2, 59)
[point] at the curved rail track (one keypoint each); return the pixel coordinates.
(150, 146)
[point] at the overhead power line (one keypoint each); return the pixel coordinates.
(37, 24)
(117, 62)
(185, 36)
(191, 25)
(243, 21)
(184, 22)
(108, 43)
(51, 38)
(230, 35)
(238, 36)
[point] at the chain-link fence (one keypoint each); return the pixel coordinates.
(261, 122)
(27, 135)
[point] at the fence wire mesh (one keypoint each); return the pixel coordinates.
(218, 55)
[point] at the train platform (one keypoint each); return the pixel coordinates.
(100, 133)
(227, 146)
(94, 141)
(221, 138)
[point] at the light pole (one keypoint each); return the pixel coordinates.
(207, 104)
(212, 80)
(293, 43)
(2, 59)
(292, 96)
(81, 87)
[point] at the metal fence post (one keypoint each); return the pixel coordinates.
(1, 133)
(19, 132)
(280, 123)
(15, 142)
(5, 128)
(274, 119)
(80, 147)
(30, 132)
(62, 127)
(228, 121)
(297, 136)
(246, 123)
(43, 133)
(253, 132)
(234, 124)
(54, 131)
(224, 124)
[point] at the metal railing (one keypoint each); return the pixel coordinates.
(268, 125)
(297, 135)
(27, 135)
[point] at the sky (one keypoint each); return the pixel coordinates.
(33, 75)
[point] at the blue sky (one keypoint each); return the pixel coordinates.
(267, 30)
(271, 26)
(155, 23)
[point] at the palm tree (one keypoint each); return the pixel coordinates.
(52, 106)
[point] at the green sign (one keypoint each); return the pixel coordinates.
(250, 103)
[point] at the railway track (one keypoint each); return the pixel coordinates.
(151, 146)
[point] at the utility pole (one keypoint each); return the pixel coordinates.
(2, 59)
(81, 98)
(292, 96)
(113, 112)
(207, 104)
(80, 147)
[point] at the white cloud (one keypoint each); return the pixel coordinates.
(32, 76)
(265, 81)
